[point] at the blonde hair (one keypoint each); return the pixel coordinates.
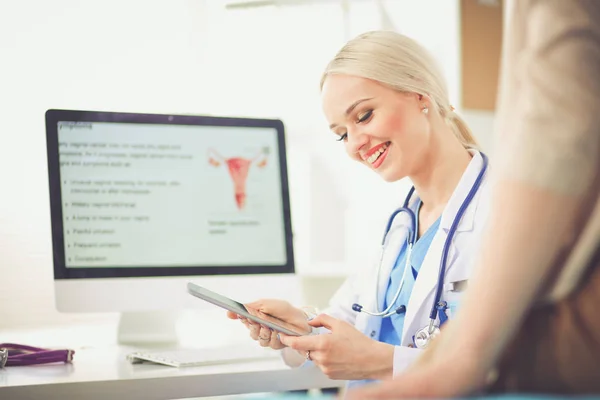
(400, 63)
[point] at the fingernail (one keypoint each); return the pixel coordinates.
(278, 337)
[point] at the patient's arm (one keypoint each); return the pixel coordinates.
(528, 228)
(548, 144)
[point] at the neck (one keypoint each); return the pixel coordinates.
(443, 167)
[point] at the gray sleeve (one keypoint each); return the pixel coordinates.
(548, 131)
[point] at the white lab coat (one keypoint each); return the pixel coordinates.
(360, 288)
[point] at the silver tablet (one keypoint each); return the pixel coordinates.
(252, 314)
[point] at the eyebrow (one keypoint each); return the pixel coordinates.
(350, 109)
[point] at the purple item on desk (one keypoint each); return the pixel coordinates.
(17, 355)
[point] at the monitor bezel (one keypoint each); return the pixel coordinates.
(61, 271)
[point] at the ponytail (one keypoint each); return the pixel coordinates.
(462, 131)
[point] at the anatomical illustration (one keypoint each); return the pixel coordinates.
(238, 170)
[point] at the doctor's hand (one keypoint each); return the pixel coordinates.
(281, 309)
(345, 353)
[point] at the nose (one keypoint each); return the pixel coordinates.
(356, 141)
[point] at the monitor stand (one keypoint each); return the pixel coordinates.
(148, 328)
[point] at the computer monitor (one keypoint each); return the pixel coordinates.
(141, 204)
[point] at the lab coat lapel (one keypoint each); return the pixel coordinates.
(425, 283)
(460, 194)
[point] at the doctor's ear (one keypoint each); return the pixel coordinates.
(424, 103)
(423, 99)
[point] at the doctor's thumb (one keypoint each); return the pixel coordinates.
(257, 305)
(322, 320)
(283, 338)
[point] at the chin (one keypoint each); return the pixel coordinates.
(391, 176)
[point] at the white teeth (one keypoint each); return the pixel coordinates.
(376, 155)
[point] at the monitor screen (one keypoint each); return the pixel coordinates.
(155, 195)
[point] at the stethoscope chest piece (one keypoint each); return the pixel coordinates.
(424, 336)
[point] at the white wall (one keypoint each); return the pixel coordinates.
(114, 55)
(190, 56)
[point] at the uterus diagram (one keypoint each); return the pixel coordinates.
(239, 168)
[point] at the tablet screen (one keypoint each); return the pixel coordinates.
(242, 309)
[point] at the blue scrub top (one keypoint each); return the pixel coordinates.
(391, 328)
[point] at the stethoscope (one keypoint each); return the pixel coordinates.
(427, 333)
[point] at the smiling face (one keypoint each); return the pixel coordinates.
(382, 128)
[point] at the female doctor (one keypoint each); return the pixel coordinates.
(387, 104)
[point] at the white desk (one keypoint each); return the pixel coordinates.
(102, 372)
